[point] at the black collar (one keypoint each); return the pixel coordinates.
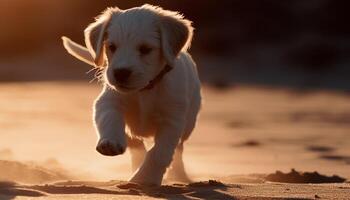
(158, 78)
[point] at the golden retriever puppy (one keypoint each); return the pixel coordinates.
(151, 87)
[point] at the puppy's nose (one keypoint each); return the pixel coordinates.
(122, 75)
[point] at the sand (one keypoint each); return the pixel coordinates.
(206, 190)
(243, 134)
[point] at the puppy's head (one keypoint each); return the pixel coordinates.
(134, 45)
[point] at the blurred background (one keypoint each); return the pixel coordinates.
(299, 44)
(276, 79)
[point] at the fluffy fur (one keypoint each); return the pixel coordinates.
(143, 40)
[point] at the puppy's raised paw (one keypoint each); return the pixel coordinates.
(109, 148)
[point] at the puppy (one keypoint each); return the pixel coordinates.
(151, 87)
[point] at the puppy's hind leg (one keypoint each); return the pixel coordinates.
(137, 150)
(177, 171)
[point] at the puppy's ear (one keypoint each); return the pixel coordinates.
(176, 34)
(95, 35)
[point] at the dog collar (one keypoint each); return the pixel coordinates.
(158, 78)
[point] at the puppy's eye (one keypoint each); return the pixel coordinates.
(112, 47)
(144, 49)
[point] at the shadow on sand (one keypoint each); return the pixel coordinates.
(204, 190)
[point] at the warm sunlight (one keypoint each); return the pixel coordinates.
(122, 108)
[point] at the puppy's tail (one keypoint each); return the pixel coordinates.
(78, 51)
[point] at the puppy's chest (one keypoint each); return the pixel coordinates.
(141, 115)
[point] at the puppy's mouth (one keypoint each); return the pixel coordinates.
(124, 88)
(127, 87)
(130, 87)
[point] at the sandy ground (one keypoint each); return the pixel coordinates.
(47, 136)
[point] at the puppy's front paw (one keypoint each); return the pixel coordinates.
(108, 147)
(146, 181)
(147, 176)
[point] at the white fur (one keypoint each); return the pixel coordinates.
(166, 112)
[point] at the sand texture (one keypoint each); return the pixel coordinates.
(247, 139)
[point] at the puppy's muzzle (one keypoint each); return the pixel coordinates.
(122, 75)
